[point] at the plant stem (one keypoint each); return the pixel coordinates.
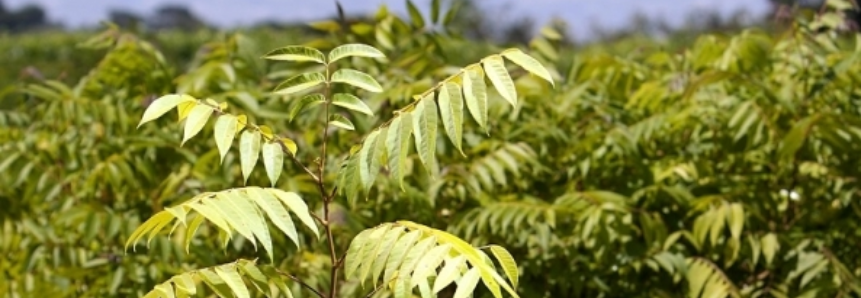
(327, 198)
(302, 283)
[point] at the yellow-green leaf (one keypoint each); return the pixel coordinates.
(770, 246)
(509, 266)
(276, 212)
(300, 83)
(307, 101)
(341, 122)
(451, 110)
(225, 132)
(398, 146)
(429, 263)
(366, 157)
(425, 130)
(196, 120)
(415, 16)
(475, 95)
(357, 79)
(528, 63)
(273, 160)
(449, 273)
(233, 280)
(494, 68)
(398, 252)
(290, 145)
(162, 105)
(249, 151)
(354, 50)
(298, 206)
(351, 102)
(354, 260)
(467, 283)
(296, 53)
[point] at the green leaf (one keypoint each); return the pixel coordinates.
(415, 16)
(233, 280)
(509, 266)
(398, 252)
(736, 220)
(351, 102)
(225, 131)
(425, 128)
(528, 63)
(435, 7)
(273, 160)
(251, 217)
(398, 146)
(215, 282)
(353, 260)
(466, 285)
(300, 83)
(357, 79)
(366, 156)
(449, 273)
(249, 151)
(276, 212)
(341, 122)
(298, 206)
(354, 50)
(296, 53)
(451, 110)
(770, 246)
(429, 262)
(475, 95)
(307, 101)
(387, 243)
(239, 219)
(163, 105)
(795, 138)
(290, 145)
(196, 120)
(494, 68)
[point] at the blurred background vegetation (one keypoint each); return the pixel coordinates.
(714, 159)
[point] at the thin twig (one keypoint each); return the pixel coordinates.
(302, 283)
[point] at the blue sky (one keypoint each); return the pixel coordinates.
(580, 14)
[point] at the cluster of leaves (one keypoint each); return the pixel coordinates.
(727, 168)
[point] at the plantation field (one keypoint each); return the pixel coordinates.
(396, 158)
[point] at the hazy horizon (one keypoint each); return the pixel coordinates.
(581, 15)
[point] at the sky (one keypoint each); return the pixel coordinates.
(580, 14)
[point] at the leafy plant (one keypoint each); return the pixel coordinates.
(408, 253)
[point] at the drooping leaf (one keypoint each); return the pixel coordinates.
(276, 212)
(398, 145)
(475, 95)
(273, 160)
(354, 50)
(300, 83)
(249, 151)
(357, 79)
(163, 105)
(298, 206)
(466, 285)
(351, 102)
(509, 266)
(415, 16)
(196, 120)
(341, 121)
(296, 53)
(425, 130)
(451, 110)
(494, 68)
(366, 157)
(307, 101)
(528, 63)
(225, 131)
(233, 280)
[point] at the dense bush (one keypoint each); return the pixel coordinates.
(726, 169)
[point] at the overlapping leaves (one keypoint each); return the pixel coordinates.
(253, 139)
(442, 104)
(226, 280)
(405, 255)
(241, 211)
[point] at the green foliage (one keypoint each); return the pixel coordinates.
(724, 169)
